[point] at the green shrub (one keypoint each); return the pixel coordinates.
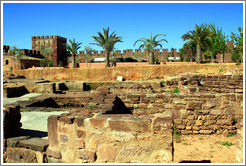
(50, 62)
(92, 106)
(238, 63)
(228, 144)
(43, 63)
(229, 135)
(221, 70)
(164, 82)
(176, 90)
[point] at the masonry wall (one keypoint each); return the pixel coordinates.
(56, 42)
(110, 138)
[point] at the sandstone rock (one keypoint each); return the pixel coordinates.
(20, 155)
(205, 131)
(87, 155)
(106, 153)
(194, 106)
(37, 144)
(39, 157)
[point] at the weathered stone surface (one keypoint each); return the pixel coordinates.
(86, 155)
(97, 122)
(52, 130)
(81, 133)
(205, 131)
(46, 88)
(194, 106)
(20, 155)
(106, 152)
(162, 123)
(53, 152)
(134, 125)
(37, 144)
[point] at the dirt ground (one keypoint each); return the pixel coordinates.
(148, 72)
(205, 147)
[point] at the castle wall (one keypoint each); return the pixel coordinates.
(56, 42)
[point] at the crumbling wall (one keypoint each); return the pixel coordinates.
(110, 138)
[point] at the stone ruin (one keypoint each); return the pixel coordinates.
(125, 122)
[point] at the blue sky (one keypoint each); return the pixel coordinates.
(132, 21)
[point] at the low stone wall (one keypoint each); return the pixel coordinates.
(110, 138)
(199, 83)
(193, 113)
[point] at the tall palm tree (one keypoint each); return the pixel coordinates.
(88, 52)
(200, 36)
(73, 48)
(107, 42)
(190, 47)
(150, 44)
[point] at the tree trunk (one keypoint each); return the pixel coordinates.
(151, 58)
(73, 60)
(107, 59)
(212, 61)
(198, 54)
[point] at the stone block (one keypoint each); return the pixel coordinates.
(81, 133)
(194, 106)
(66, 119)
(53, 152)
(199, 123)
(64, 138)
(80, 143)
(97, 122)
(20, 155)
(52, 130)
(37, 144)
(162, 123)
(134, 125)
(46, 88)
(87, 155)
(206, 131)
(106, 153)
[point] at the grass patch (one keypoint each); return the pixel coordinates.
(221, 70)
(229, 135)
(238, 63)
(228, 144)
(164, 82)
(195, 71)
(176, 90)
(200, 138)
(176, 135)
(58, 79)
(91, 106)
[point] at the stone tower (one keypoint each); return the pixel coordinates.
(55, 42)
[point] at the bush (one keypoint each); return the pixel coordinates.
(50, 62)
(235, 56)
(176, 90)
(43, 63)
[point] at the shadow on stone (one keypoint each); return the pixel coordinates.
(202, 161)
(33, 133)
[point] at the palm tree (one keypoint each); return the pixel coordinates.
(107, 42)
(73, 48)
(200, 36)
(88, 52)
(150, 44)
(190, 48)
(45, 52)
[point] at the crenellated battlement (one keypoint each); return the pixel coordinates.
(48, 37)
